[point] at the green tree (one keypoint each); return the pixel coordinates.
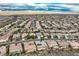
(42, 38)
(63, 37)
(49, 36)
(55, 37)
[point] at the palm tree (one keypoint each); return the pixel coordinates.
(10, 38)
(7, 50)
(20, 33)
(49, 36)
(23, 49)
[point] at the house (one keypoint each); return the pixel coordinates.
(17, 36)
(38, 25)
(23, 23)
(52, 44)
(15, 47)
(5, 37)
(29, 46)
(41, 45)
(39, 35)
(63, 44)
(24, 35)
(73, 44)
(2, 50)
(28, 24)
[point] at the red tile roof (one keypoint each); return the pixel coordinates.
(29, 46)
(14, 47)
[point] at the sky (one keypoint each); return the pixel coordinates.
(39, 1)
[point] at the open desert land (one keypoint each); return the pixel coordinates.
(4, 20)
(33, 12)
(38, 33)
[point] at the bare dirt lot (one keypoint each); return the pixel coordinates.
(4, 20)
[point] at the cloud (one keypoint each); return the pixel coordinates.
(69, 1)
(27, 1)
(39, 1)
